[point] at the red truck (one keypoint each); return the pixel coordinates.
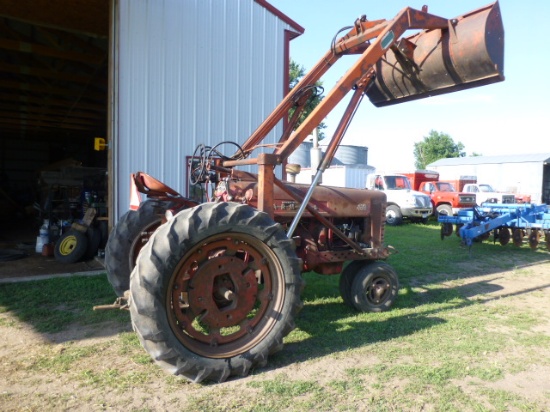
(460, 181)
(445, 199)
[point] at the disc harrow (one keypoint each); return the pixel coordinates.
(515, 222)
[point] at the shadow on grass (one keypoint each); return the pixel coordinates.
(333, 327)
(55, 305)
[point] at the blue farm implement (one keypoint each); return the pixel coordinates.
(506, 222)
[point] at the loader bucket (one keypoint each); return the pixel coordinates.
(468, 53)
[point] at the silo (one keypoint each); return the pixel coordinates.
(350, 155)
(302, 155)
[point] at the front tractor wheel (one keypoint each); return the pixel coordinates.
(346, 280)
(374, 287)
(215, 290)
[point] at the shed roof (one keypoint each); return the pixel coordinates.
(476, 160)
(295, 26)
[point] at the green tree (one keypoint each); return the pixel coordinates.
(435, 146)
(296, 74)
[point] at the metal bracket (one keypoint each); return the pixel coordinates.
(121, 303)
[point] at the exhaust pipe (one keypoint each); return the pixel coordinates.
(469, 53)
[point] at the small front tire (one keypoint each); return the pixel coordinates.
(346, 280)
(375, 287)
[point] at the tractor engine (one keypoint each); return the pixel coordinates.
(358, 214)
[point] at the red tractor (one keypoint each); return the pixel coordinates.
(216, 286)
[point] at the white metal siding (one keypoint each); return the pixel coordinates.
(524, 178)
(190, 72)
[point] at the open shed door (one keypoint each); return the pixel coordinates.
(54, 85)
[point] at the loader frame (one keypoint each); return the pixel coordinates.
(368, 39)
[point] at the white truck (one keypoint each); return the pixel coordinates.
(485, 193)
(402, 201)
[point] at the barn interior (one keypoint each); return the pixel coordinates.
(54, 82)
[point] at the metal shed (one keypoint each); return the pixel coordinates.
(152, 77)
(190, 72)
(522, 173)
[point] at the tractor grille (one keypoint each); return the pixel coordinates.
(508, 199)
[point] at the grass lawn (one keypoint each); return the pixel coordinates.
(469, 332)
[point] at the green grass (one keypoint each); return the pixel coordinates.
(53, 305)
(444, 328)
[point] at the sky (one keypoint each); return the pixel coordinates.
(506, 118)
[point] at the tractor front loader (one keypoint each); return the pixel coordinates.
(216, 288)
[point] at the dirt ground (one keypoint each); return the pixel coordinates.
(35, 266)
(525, 287)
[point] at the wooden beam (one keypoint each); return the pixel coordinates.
(58, 118)
(48, 111)
(50, 74)
(38, 49)
(89, 17)
(23, 99)
(22, 123)
(37, 88)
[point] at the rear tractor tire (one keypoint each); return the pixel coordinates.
(126, 240)
(214, 291)
(374, 287)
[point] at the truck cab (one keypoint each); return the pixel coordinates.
(445, 199)
(485, 193)
(402, 201)
(444, 196)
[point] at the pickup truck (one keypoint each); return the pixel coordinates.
(485, 193)
(402, 201)
(445, 199)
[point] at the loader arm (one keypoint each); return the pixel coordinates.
(384, 35)
(376, 42)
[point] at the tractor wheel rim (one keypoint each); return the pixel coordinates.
(225, 295)
(379, 290)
